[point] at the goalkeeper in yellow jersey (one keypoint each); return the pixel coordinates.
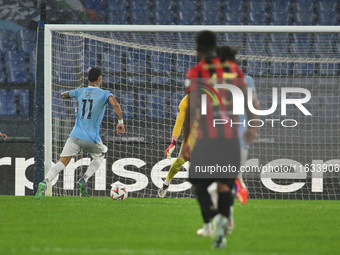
(182, 157)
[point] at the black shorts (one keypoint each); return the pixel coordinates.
(215, 152)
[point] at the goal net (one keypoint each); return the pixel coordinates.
(145, 69)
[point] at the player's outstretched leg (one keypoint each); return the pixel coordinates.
(40, 194)
(82, 186)
(220, 223)
(175, 167)
(93, 167)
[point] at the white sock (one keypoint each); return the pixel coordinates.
(93, 167)
(166, 182)
(206, 226)
(53, 172)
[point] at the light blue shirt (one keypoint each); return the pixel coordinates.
(92, 103)
(242, 118)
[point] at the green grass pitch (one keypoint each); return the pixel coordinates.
(99, 225)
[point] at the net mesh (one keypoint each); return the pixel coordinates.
(145, 72)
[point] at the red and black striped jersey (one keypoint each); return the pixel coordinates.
(202, 78)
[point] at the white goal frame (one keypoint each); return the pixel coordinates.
(49, 28)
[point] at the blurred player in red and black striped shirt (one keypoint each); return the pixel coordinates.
(214, 145)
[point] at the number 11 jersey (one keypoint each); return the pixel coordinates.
(92, 104)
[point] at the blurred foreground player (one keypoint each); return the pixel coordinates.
(92, 102)
(214, 145)
(225, 53)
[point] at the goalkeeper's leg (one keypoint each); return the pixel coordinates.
(175, 167)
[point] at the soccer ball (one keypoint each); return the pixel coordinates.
(118, 192)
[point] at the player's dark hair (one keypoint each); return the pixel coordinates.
(93, 74)
(226, 53)
(206, 41)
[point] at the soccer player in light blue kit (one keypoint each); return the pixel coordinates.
(92, 102)
(242, 118)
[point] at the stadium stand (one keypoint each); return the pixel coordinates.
(280, 18)
(16, 67)
(27, 41)
(2, 75)
(163, 12)
(32, 65)
(210, 12)
(281, 6)
(140, 12)
(257, 18)
(185, 16)
(233, 18)
(98, 6)
(117, 12)
(258, 6)
(17, 49)
(327, 6)
(8, 41)
(304, 18)
(304, 6)
(328, 18)
(236, 6)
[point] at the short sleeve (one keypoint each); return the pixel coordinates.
(250, 82)
(107, 95)
(73, 93)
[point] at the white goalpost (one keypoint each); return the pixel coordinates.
(144, 67)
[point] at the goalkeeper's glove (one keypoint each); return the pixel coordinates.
(241, 192)
(170, 149)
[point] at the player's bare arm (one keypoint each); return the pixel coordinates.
(65, 95)
(250, 134)
(120, 127)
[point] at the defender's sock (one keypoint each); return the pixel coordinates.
(93, 167)
(56, 169)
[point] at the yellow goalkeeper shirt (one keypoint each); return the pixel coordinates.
(182, 107)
